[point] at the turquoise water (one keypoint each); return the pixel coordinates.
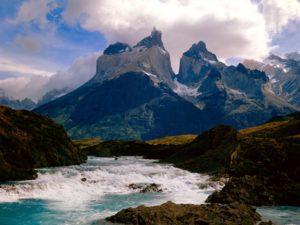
(97, 189)
(88, 193)
(281, 214)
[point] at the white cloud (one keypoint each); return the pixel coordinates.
(14, 65)
(28, 44)
(279, 13)
(35, 86)
(34, 11)
(231, 28)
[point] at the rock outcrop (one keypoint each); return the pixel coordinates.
(264, 166)
(187, 214)
(29, 141)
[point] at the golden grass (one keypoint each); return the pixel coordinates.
(173, 140)
(262, 127)
(87, 142)
(297, 136)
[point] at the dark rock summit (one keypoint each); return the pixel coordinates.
(199, 51)
(153, 40)
(116, 48)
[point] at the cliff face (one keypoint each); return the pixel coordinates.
(29, 141)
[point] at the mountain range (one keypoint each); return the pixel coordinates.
(136, 95)
(284, 74)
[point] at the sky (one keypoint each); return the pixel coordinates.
(51, 44)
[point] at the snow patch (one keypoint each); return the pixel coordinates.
(235, 91)
(209, 61)
(184, 90)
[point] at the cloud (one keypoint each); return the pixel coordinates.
(28, 43)
(279, 13)
(35, 86)
(34, 11)
(231, 28)
(14, 65)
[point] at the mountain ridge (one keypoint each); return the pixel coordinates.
(205, 93)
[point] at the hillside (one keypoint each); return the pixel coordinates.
(29, 141)
(173, 140)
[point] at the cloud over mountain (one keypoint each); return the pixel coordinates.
(183, 22)
(35, 86)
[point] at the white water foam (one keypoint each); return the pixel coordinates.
(75, 186)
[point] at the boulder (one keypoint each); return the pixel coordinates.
(144, 187)
(178, 214)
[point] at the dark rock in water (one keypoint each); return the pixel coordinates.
(187, 214)
(144, 187)
(28, 141)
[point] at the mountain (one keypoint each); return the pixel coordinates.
(53, 94)
(284, 74)
(130, 97)
(136, 95)
(26, 103)
(28, 141)
(233, 95)
(148, 56)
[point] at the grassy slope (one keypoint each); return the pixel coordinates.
(173, 140)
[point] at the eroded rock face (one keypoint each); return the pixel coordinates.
(178, 214)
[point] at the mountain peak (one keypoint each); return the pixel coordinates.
(116, 48)
(240, 67)
(200, 51)
(154, 39)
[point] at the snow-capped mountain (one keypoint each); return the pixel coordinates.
(284, 74)
(235, 95)
(135, 94)
(148, 56)
(130, 97)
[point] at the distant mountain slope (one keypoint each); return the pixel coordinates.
(131, 106)
(16, 104)
(234, 95)
(29, 141)
(284, 74)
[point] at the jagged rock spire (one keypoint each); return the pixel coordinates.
(152, 40)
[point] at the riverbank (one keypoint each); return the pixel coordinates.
(261, 162)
